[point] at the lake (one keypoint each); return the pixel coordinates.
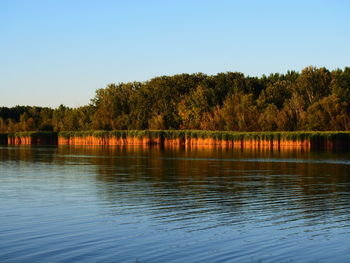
(144, 204)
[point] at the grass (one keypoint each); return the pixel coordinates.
(218, 135)
(317, 138)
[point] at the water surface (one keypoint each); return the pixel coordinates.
(121, 204)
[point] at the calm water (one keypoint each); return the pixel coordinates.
(88, 204)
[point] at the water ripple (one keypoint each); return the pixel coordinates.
(122, 204)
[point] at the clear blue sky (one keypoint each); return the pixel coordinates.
(54, 52)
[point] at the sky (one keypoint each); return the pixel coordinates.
(61, 52)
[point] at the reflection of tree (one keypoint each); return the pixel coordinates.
(196, 183)
(28, 153)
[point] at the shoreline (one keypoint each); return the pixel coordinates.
(306, 140)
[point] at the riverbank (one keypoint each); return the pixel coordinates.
(31, 138)
(186, 138)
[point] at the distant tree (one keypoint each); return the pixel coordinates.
(313, 83)
(315, 99)
(292, 116)
(276, 93)
(12, 127)
(192, 108)
(156, 122)
(23, 122)
(3, 125)
(58, 118)
(213, 120)
(30, 125)
(340, 84)
(240, 113)
(329, 114)
(268, 118)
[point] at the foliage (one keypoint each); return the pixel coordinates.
(314, 99)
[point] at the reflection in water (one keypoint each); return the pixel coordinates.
(160, 205)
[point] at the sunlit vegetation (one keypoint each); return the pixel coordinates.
(314, 99)
(218, 135)
(299, 139)
(192, 134)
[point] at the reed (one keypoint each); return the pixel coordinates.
(314, 139)
(313, 136)
(32, 137)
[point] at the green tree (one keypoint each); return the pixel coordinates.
(314, 84)
(192, 108)
(213, 120)
(156, 122)
(340, 84)
(276, 93)
(292, 116)
(268, 118)
(330, 113)
(110, 103)
(240, 113)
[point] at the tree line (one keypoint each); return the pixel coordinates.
(313, 99)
